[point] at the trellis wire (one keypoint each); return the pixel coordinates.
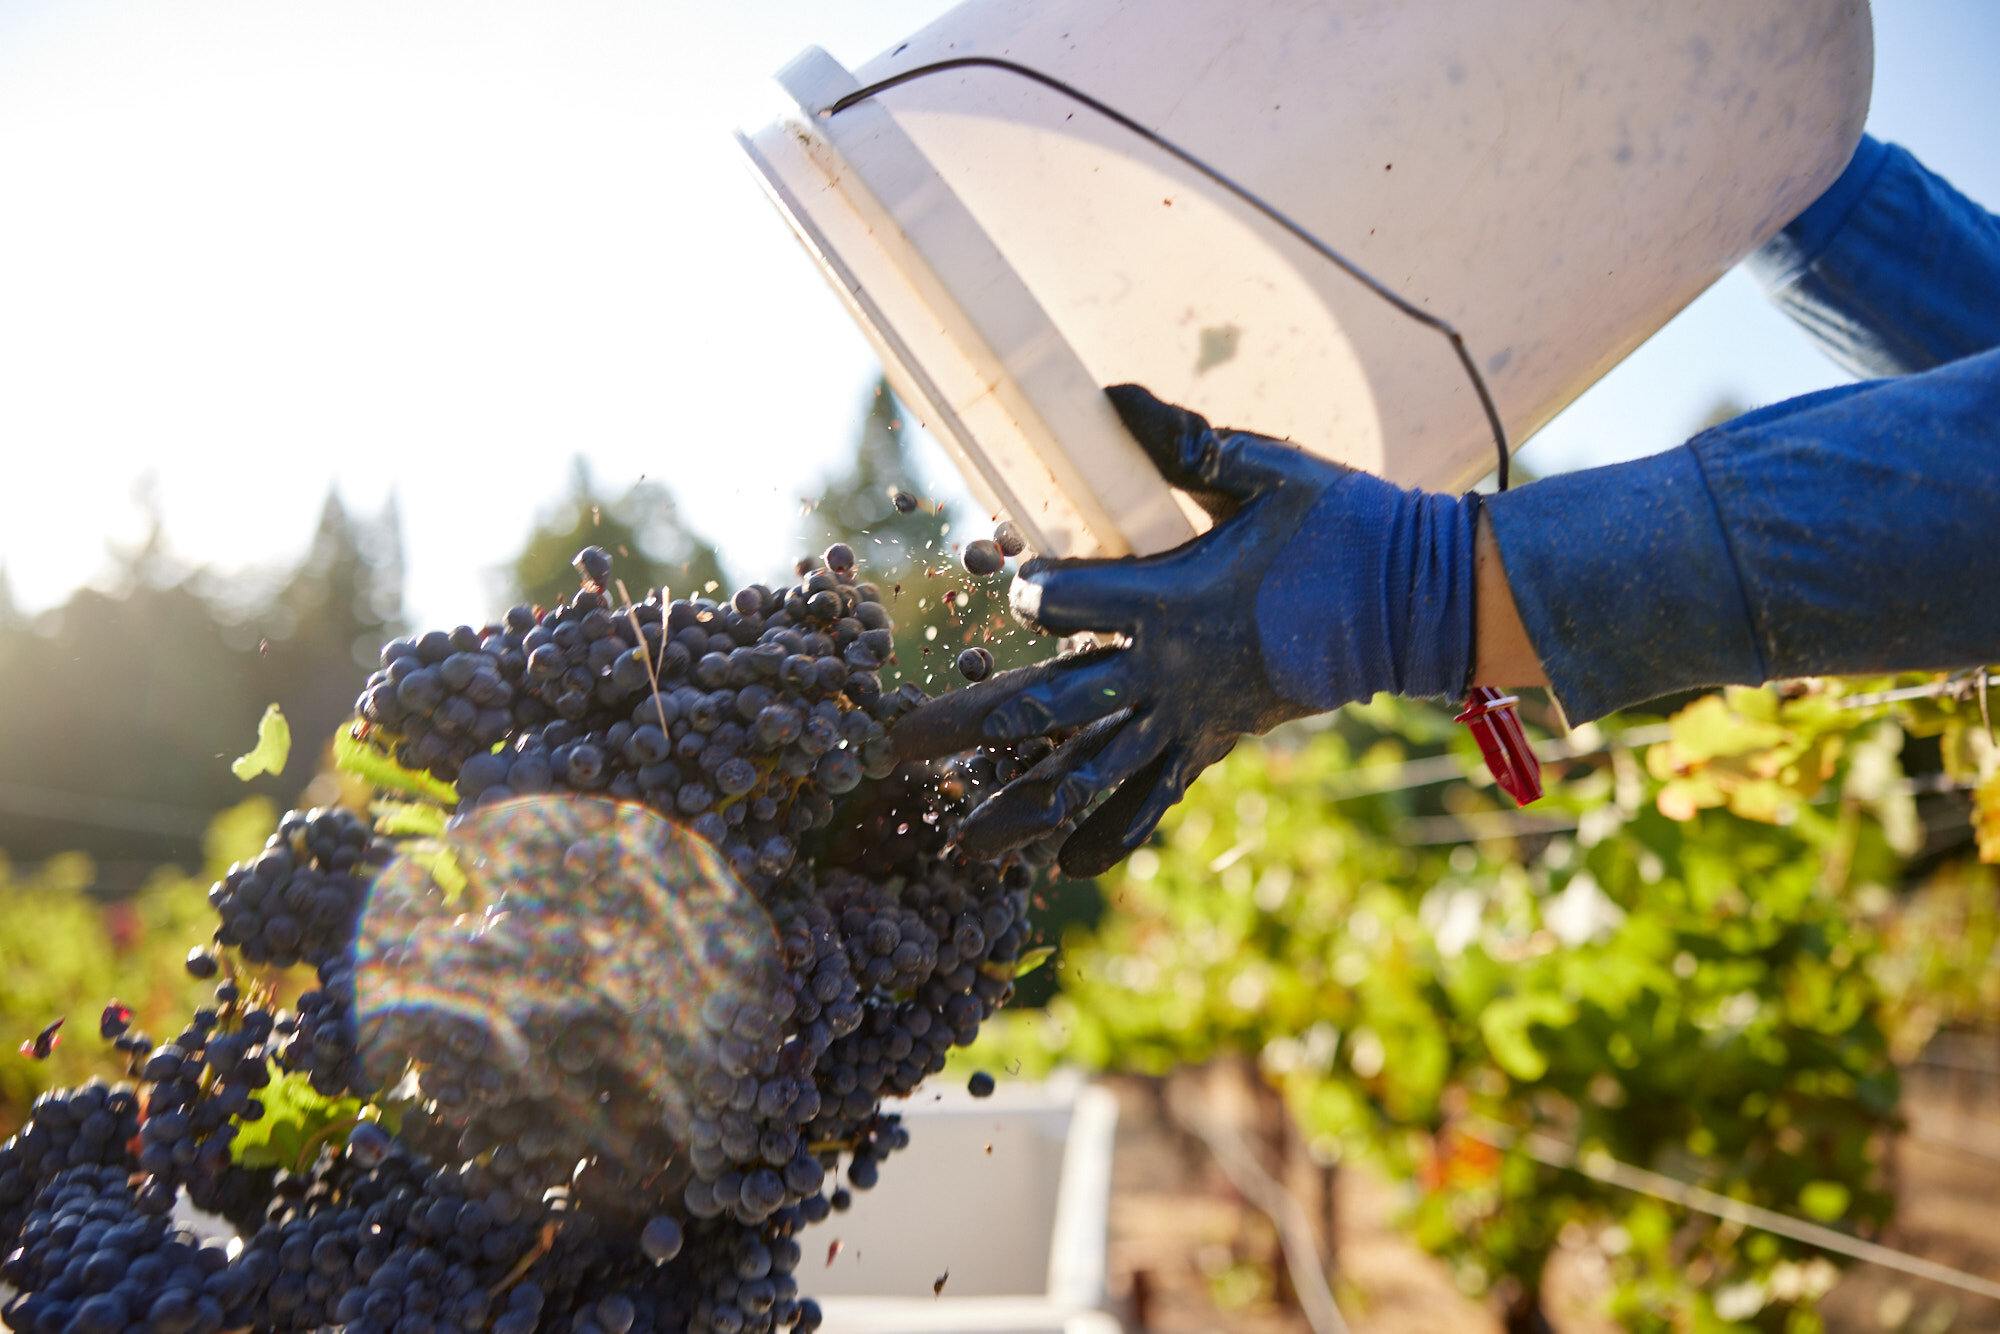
(1552, 1152)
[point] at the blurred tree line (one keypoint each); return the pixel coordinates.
(123, 705)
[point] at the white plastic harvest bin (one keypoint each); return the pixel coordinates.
(1021, 1229)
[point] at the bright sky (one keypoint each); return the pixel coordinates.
(252, 248)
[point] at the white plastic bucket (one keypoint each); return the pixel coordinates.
(1555, 178)
(1008, 1195)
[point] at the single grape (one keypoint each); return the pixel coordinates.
(975, 663)
(980, 1085)
(1008, 538)
(662, 1239)
(615, 1314)
(982, 557)
(368, 1144)
(594, 564)
(115, 1020)
(904, 502)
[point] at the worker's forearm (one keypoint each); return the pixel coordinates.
(1502, 655)
(1843, 532)
(1847, 531)
(1892, 271)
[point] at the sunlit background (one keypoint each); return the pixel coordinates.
(424, 255)
(435, 250)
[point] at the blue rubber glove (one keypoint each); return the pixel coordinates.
(1317, 586)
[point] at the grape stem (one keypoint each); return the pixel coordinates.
(645, 649)
(310, 1149)
(831, 1145)
(527, 1262)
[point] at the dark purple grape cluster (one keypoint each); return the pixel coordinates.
(319, 1039)
(90, 1260)
(85, 1127)
(744, 719)
(298, 899)
(377, 1241)
(202, 1088)
(450, 695)
(542, 1176)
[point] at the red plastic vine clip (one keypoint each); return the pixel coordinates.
(1496, 725)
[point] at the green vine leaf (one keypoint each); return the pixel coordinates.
(443, 865)
(1824, 1200)
(1032, 959)
(273, 748)
(389, 1115)
(353, 756)
(1505, 1023)
(296, 1122)
(1029, 961)
(409, 818)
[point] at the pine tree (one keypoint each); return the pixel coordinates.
(913, 557)
(129, 703)
(323, 629)
(651, 546)
(858, 507)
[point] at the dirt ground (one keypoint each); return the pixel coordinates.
(1189, 1254)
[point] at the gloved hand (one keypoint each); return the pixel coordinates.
(1318, 585)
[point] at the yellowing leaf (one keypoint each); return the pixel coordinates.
(1986, 818)
(273, 748)
(364, 761)
(1752, 703)
(399, 818)
(1683, 799)
(1029, 961)
(1709, 728)
(443, 865)
(1032, 959)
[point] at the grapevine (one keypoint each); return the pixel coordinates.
(604, 1006)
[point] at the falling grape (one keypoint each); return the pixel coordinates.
(975, 663)
(982, 557)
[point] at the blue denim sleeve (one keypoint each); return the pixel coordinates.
(1891, 270)
(1850, 530)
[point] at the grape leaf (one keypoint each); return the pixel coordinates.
(442, 863)
(1029, 961)
(1505, 1023)
(1824, 1200)
(1032, 959)
(295, 1123)
(396, 818)
(1986, 818)
(389, 1114)
(273, 748)
(358, 758)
